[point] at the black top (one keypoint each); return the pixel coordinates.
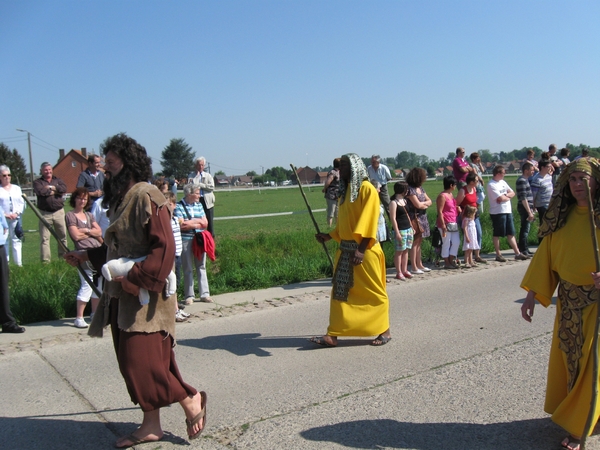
(402, 218)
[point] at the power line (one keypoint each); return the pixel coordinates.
(39, 139)
(13, 139)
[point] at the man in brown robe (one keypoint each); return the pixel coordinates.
(143, 335)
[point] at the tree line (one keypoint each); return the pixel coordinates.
(408, 160)
(177, 161)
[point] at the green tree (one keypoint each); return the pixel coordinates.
(252, 173)
(15, 163)
(177, 159)
(220, 172)
(277, 174)
(486, 156)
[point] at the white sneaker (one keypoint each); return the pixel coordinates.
(80, 323)
(183, 313)
(179, 317)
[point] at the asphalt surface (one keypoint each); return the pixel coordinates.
(463, 370)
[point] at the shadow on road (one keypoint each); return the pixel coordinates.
(376, 434)
(254, 344)
(57, 432)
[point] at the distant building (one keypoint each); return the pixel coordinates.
(222, 181)
(241, 180)
(513, 167)
(307, 176)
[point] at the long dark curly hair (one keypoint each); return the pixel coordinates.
(137, 166)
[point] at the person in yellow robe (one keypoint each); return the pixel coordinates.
(359, 301)
(565, 258)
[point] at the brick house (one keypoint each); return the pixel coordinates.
(307, 176)
(69, 166)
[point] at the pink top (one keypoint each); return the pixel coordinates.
(449, 212)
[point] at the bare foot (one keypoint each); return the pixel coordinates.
(134, 439)
(382, 339)
(325, 341)
(195, 413)
(571, 443)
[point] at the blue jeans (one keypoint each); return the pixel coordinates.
(524, 232)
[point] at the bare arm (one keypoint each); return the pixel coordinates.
(393, 207)
(419, 204)
(528, 306)
(460, 197)
(440, 202)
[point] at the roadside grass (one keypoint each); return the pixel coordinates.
(252, 253)
(40, 292)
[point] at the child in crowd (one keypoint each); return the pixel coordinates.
(470, 234)
(381, 227)
(180, 315)
(403, 232)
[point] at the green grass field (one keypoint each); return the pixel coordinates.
(253, 253)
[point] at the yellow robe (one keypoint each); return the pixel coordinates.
(567, 254)
(366, 312)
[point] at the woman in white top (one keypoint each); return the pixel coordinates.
(12, 206)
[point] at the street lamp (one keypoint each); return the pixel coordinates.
(30, 158)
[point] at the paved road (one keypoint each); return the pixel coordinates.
(462, 371)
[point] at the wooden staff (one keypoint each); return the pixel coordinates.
(311, 215)
(63, 246)
(590, 418)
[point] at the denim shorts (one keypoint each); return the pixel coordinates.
(503, 224)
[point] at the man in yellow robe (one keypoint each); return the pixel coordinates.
(359, 301)
(565, 258)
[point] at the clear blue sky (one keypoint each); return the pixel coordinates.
(268, 83)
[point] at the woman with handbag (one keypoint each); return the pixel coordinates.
(446, 222)
(85, 233)
(417, 204)
(12, 206)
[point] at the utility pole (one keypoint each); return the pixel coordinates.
(30, 158)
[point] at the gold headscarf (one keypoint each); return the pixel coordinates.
(562, 199)
(358, 174)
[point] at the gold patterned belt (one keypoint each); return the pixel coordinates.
(573, 299)
(343, 277)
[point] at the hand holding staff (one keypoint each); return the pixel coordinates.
(64, 247)
(321, 237)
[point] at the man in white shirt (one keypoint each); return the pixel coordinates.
(499, 195)
(380, 173)
(207, 186)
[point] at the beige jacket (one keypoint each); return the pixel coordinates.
(206, 182)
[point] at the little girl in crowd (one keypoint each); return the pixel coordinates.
(381, 227)
(470, 234)
(403, 232)
(180, 315)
